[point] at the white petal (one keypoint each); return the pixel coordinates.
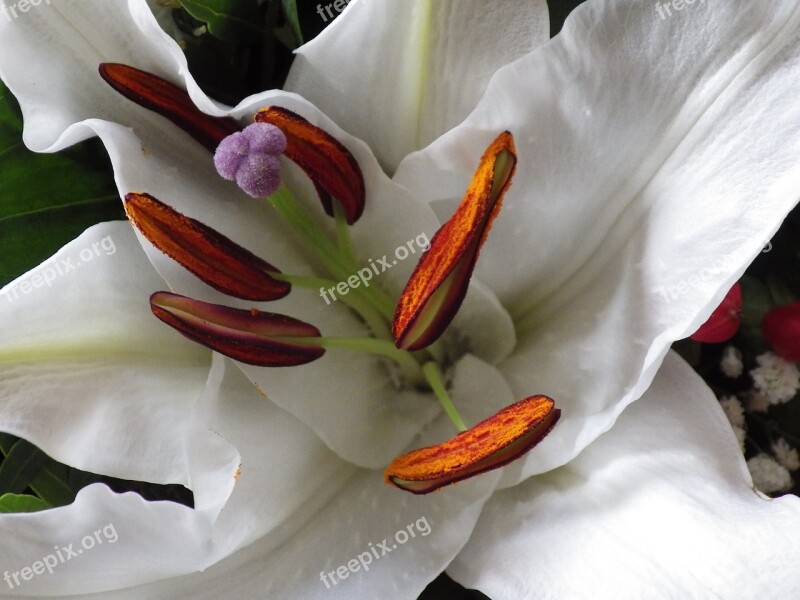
(352, 513)
(86, 372)
(72, 34)
(243, 454)
(283, 465)
(365, 515)
(661, 506)
(306, 510)
(656, 158)
(487, 328)
(399, 74)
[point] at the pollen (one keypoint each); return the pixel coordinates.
(490, 444)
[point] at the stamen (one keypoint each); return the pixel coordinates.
(439, 283)
(330, 166)
(337, 264)
(249, 336)
(406, 362)
(427, 306)
(492, 443)
(214, 258)
(161, 96)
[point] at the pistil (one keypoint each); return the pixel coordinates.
(336, 262)
(408, 333)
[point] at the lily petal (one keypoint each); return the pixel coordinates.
(631, 215)
(161, 96)
(438, 285)
(341, 514)
(233, 474)
(330, 166)
(492, 443)
(83, 379)
(427, 66)
(661, 506)
(214, 258)
(250, 336)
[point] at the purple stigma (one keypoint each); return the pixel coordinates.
(250, 158)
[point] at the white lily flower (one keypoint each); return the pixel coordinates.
(648, 148)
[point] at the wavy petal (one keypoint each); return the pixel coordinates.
(260, 485)
(661, 506)
(413, 541)
(631, 214)
(85, 369)
(427, 65)
(303, 510)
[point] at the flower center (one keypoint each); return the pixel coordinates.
(412, 335)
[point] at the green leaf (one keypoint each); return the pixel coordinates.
(51, 484)
(7, 442)
(756, 302)
(292, 18)
(780, 292)
(21, 503)
(47, 200)
(23, 463)
(235, 21)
